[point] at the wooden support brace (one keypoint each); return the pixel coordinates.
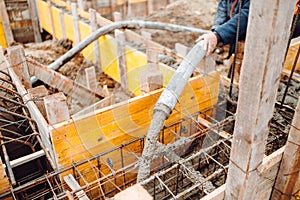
(56, 108)
(120, 38)
(51, 19)
(75, 22)
(6, 24)
(146, 35)
(62, 83)
(288, 179)
(259, 81)
(62, 24)
(94, 27)
(35, 21)
(16, 57)
(38, 93)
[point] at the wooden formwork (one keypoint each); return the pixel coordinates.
(102, 130)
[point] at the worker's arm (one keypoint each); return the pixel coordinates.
(221, 14)
(227, 31)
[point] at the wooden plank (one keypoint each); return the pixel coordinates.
(257, 95)
(51, 19)
(35, 20)
(62, 83)
(56, 108)
(62, 24)
(75, 22)
(74, 185)
(94, 27)
(121, 56)
(136, 192)
(6, 24)
(287, 183)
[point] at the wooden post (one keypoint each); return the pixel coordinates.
(152, 78)
(113, 5)
(120, 38)
(56, 108)
(51, 19)
(16, 57)
(35, 21)
(91, 79)
(62, 24)
(81, 5)
(117, 16)
(75, 22)
(288, 178)
(94, 27)
(259, 81)
(6, 24)
(150, 8)
(38, 93)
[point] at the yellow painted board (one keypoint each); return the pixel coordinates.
(44, 15)
(57, 23)
(108, 57)
(167, 71)
(69, 27)
(137, 1)
(136, 62)
(107, 128)
(291, 56)
(85, 31)
(2, 36)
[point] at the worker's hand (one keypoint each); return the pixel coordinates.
(210, 42)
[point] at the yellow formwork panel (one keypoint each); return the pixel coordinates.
(85, 31)
(137, 1)
(108, 57)
(2, 36)
(115, 125)
(57, 23)
(167, 71)
(69, 27)
(44, 15)
(136, 62)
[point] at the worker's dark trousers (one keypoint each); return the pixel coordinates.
(297, 29)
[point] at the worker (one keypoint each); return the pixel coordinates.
(225, 24)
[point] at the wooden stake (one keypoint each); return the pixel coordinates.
(62, 24)
(150, 8)
(16, 57)
(51, 19)
(120, 38)
(81, 5)
(75, 22)
(287, 182)
(35, 21)
(6, 24)
(259, 81)
(94, 27)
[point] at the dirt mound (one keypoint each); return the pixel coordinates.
(196, 13)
